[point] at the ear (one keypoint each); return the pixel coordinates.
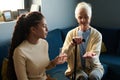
(33, 29)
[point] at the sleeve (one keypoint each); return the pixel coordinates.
(19, 64)
(67, 46)
(96, 47)
(51, 65)
(96, 43)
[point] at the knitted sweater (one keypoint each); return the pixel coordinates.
(31, 60)
(94, 45)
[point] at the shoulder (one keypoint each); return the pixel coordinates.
(18, 52)
(73, 31)
(43, 41)
(94, 32)
(19, 48)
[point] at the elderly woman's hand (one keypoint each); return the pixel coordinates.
(77, 40)
(89, 55)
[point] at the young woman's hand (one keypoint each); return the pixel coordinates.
(61, 58)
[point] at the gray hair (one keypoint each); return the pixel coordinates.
(84, 5)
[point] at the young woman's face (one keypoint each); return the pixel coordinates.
(41, 30)
(82, 17)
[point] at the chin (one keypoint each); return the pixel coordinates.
(84, 24)
(44, 37)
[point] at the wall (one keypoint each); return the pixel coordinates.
(27, 4)
(59, 13)
(106, 13)
(37, 2)
(6, 28)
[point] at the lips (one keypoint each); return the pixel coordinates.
(84, 24)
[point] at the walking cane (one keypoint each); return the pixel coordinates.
(75, 62)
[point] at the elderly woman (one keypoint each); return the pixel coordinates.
(88, 41)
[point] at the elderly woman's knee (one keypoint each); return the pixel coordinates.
(94, 77)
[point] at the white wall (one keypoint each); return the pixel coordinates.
(6, 30)
(37, 2)
(59, 13)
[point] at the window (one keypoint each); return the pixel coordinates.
(11, 5)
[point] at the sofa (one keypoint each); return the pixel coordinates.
(111, 38)
(109, 58)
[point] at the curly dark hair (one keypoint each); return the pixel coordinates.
(21, 31)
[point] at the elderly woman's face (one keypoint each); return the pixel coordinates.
(83, 17)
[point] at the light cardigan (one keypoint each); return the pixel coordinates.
(94, 45)
(31, 60)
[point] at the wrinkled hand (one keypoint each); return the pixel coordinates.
(61, 58)
(77, 40)
(89, 55)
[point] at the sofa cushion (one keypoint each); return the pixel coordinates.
(105, 66)
(58, 72)
(112, 61)
(4, 69)
(4, 49)
(55, 42)
(107, 59)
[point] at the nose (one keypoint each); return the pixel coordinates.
(46, 29)
(83, 20)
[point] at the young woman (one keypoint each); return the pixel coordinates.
(88, 41)
(28, 57)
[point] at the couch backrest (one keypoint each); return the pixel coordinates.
(111, 38)
(6, 30)
(64, 31)
(55, 42)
